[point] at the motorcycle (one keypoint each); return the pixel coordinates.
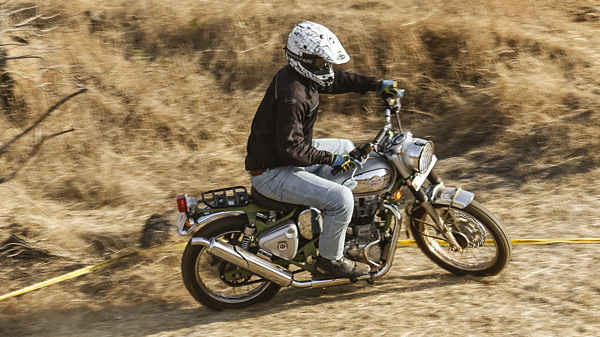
(245, 247)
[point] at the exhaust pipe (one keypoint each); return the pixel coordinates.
(243, 259)
(266, 269)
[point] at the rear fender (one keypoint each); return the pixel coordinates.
(187, 225)
(190, 223)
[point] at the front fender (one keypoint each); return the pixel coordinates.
(455, 197)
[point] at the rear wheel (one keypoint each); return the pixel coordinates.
(485, 244)
(216, 283)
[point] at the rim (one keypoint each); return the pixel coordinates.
(208, 271)
(471, 258)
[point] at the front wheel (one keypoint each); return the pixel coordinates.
(219, 284)
(485, 244)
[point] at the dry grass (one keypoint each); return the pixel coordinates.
(508, 90)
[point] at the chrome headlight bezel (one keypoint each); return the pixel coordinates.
(426, 156)
(418, 155)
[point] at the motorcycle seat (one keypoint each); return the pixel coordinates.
(270, 204)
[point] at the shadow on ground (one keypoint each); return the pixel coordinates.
(156, 316)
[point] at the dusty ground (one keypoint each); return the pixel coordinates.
(547, 290)
(543, 293)
(513, 112)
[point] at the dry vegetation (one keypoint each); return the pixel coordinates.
(508, 90)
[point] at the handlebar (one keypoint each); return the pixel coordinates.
(391, 105)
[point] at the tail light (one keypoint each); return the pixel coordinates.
(182, 203)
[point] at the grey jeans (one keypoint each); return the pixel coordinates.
(310, 186)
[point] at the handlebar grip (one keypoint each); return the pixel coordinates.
(335, 171)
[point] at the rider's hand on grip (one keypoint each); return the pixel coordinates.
(342, 163)
(390, 87)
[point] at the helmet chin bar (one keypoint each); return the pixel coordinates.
(323, 78)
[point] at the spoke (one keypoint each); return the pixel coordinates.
(209, 276)
(435, 237)
(471, 252)
(427, 223)
(471, 227)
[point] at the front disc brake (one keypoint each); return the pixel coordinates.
(468, 232)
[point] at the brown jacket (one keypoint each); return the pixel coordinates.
(281, 132)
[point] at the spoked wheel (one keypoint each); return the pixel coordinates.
(219, 284)
(484, 241)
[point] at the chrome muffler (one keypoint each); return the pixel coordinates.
(246, 260)
(271, 271)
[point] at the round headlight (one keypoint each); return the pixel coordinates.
(418, 155)
(425, 157)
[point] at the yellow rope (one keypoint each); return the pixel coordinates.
(181, 246)
(410, 243)
(86, 270)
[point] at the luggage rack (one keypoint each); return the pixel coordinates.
(226, 197)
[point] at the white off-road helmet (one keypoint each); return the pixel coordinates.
(311, 49)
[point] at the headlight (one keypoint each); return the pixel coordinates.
(418, 155)
(425, 157)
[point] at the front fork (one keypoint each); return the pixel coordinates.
(440, 224)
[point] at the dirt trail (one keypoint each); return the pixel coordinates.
(543, 293)
(547, 290)
(544, 186)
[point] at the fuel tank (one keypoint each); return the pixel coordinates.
(377, 176)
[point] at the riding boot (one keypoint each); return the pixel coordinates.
(342, 268)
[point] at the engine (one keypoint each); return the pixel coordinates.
(368, 185)
(362, 233)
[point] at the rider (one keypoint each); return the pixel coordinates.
(283, 160)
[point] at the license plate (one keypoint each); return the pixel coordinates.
(181, 222)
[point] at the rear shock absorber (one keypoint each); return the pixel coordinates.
(248, 236)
